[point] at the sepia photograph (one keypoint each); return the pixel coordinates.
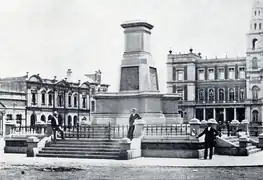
(131, 90)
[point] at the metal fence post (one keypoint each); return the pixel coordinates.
(109, 135)
(77, 130)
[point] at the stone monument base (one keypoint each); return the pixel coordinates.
(155, 108)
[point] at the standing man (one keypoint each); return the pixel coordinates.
(210, 138)
(134, 115)
(56, 127)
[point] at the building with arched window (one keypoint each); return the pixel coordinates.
(221, 88)
(29, 99)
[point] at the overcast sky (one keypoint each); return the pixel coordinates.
(50, 36)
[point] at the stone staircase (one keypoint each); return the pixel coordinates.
(93, 148)
(251, 147)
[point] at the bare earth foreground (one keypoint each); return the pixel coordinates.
(15, 166)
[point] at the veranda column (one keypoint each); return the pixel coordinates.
(204, 114)
(235, 113)
(224, 115)
(214, 113)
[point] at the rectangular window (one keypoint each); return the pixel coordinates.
(221, 73)
(180, 92)
(242, 94)
(211, 74)
(92, 106)
(174, 89)
(201, 74)
(231, 73)
(9, 117)
(242, 73)
(60, 100)
(180, 75)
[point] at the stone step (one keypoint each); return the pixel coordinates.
(254, 151)
(251, 147)
(85, 146)
(78, 156)
(79, 152)
(82, 149)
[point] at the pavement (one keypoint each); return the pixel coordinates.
(255, 160)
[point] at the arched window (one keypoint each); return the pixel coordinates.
(49, 117)
(34, 97)
(259, 13)
(221, 95)
(43, 97)
(255, 90)
(242, 94)
(201, 95)
(231, 94)
(69, 121)
(255, 26)
(50, 98)
(254, 63)
(69, 99)
(75, 100)
(211, 95)
(75, 119)
(33, 119)
(60, 120)
(255, 13)
(43, 118)
(254, 43)
(259, 25)
(255, 116)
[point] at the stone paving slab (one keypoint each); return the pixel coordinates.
(217, 161)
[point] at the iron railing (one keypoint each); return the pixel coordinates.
(28, 130)
(167, 130)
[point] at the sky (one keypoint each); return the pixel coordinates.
(50, 36)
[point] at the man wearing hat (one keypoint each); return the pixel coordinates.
(134, 115)
(210, 138)
(55, 126)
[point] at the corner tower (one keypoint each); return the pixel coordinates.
(254, 63)
(138, 72)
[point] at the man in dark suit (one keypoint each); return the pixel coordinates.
(210, 138)
(56, 127)
(134, 115)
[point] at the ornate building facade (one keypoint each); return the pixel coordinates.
(28, 99)
(221, 88)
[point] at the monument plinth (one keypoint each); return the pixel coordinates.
(139, 86)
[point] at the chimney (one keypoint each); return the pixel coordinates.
(69, 73)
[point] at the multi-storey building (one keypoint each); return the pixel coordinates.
(221, 88)
(28, 99)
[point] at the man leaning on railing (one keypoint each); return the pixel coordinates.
(56, 127)
(134, 115)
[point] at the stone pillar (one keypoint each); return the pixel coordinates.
(204, 114)
(125, 146)
(224, 120)
(243, 141)
(139, 128)
(32, 143)
(235, 113)
(194, 128)
(9, 125)
(234, 124)
(244, 124)
(214, 113)
(260, 141)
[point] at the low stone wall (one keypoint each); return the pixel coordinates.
(17, 144)
(172, 149)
